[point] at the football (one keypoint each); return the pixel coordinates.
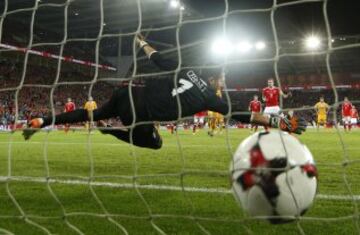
(274, 176)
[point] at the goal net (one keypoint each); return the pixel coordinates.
(78, 181)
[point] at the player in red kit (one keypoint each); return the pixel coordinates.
(69, 107)
(346, 113)
(354, 116)
(271, 95)
(199, 120)
(255, 107)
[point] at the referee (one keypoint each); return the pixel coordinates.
(157, 101)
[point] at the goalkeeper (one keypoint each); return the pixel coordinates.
(157, 101)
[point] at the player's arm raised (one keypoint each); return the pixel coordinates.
(285, 95)
(140, 41)
(154, 55)
(263, 96)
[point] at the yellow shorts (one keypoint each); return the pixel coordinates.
(321, 119)
(219, 118)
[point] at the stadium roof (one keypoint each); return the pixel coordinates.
(293, 23)
(84, 16)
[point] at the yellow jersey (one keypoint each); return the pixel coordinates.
(219, 117)
(90, 105)
(218, 92)
(321, 108)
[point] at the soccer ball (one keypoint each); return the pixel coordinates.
(273, 176)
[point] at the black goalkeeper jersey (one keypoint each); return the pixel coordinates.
(194, 93)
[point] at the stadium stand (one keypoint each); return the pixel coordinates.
(34, 101)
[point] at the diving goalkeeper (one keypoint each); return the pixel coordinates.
(157, 101)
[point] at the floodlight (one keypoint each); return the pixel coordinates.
(174, 3)
(312, 42)
(260, 45)
(244, 46)
(221, 46)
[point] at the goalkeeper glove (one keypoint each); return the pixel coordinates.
(32, 127)
(140, 40)
(290, 124)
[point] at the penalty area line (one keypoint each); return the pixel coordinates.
(156, 187)
(119, 144)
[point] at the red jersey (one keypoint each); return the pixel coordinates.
(346, 109)
(271, 95)
(255, 106)
(201, 114)
(354, 113)
(69, 106)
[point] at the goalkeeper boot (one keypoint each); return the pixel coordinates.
(33, 126)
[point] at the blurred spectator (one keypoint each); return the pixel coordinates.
(33, 97)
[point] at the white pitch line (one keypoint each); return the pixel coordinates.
(123, 144)
(158, 187)
(99, 143)
(62, 143)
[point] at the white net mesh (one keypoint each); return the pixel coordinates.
(83, 183)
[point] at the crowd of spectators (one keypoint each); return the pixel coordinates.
(34, 94)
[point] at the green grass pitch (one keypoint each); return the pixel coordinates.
(29, 205)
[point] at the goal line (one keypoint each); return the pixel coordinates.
(155, 187)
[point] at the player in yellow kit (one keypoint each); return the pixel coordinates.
(321, 109)
(90, 106)
(216, 120)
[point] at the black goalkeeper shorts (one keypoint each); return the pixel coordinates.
(120, 105)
